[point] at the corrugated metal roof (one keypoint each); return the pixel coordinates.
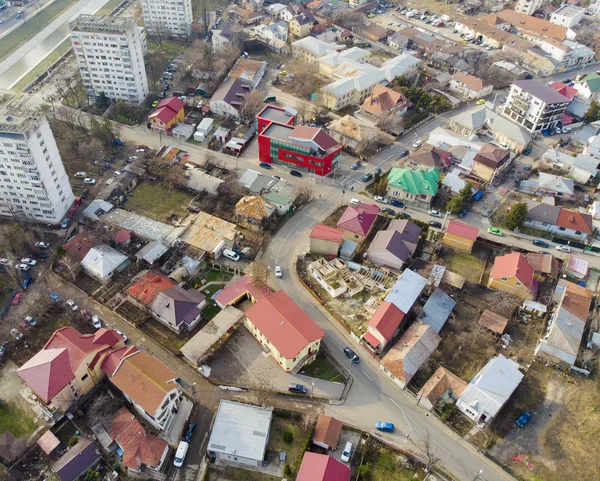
(437, 309)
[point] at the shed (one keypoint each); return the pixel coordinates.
(183, 131)
(492, 321)
(48, 442)
(222, 134)
(77, 460)
(151, 252)
(327, 432)
(578, 268)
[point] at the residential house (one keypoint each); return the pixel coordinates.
(325, 240)
(240, 434)
(428, 157)
(244, 288)
(292, 338)
(437, 310)
(254, 209)
(172, 305)
(490, 389)
(229, 97)
(150, 387)
(327, 432)
(383, 101)
(559, 221)
(534, 105)
(167, 114)
(68, 367)
(321, 467)
(588, 86)
(301, 25)
(541, 215)
(78, 246)
(353, 134)
(582, 168)
(221, 38)
(102, 261)
(410, 352)
(210, 234)
(140, 451)
(284, 204)
(393, 247)
(374, 33)
(529, 7)
(565, 90)
(461, 236)
(398, 41)
(77, 460)
(549, 184)
(566, 325)
(513, 274)
(489, 162)
(442, 387)
(469, 86)
(545, 266)
(250, 71)
(357, 221)
(493, 322)
(272, 31)
(406, 291)
(311, 49)
(413, 185)
(383, 326)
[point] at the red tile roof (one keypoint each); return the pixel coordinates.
(386, 320)
(513, 265)
(244, 285)
(463, 230)
(316, 134)
(327, 431)
(359, 219)
(122, 236)
(147, 287)
(139, 447)
(320, 467)
(324, 232)
(112, 361)
(577, 221)
(565, 90)
(371, 339)
(286, 326)
(79, 245)
(167, 109)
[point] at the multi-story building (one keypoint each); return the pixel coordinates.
(567, 16)
(310, 149)
(33, 181)
(110, 54)
(529, 7)
(534, 105)
(168, 17)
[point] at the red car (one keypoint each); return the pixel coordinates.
(16, 299)
(78, 202)
(72, 211)
(85, 314)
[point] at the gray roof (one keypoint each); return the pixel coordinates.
(482, 116)
(542, 212)
(564, 337)
(586, 163)
(406, 291)
(437, 309)
(178, 305)
(542, 92)
(556, 184)
(241, 430)
(472, 119)
(141, 226)
(101, 261)
(232, 92)
(97, 207)
(492, 386)
(256, 182)
(151, 251)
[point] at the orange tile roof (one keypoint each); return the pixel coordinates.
(527, 22)
(513, 265)
(147, 287)
(577, 300)
(569, 219)
(470, 81)
(145, 380)
(327, 431)
(494, 322)
(439, 383)
(383, 99)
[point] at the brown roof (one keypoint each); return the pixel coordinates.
(492, 156)
(526, 22)
(471, 82)
(375, 31)
(569, 219)
(254, 207)
(383, 99)
(145, 380)
(494, 322)
(327, 431)
(246, 68)
(543, 263)
(441, 381)
(79, 245)
(577, 300)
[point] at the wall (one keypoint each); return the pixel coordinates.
(510, 286)
(323, 247)
(457, 242)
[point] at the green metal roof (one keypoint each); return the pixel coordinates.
(593, 81)
(414, 181)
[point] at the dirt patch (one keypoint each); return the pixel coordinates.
(333, 219)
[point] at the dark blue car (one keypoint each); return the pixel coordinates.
(397, 203)
(523, 418)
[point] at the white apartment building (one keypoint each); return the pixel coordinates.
(33, 181)
(528, 7)
(110, 53)
(534, 105)
(567, 16)
(168, 17)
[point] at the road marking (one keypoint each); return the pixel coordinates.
(294, 231)
(367, 376)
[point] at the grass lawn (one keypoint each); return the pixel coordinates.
(109, 7)
(32, 27)
(238, 474)
(322, 368)
(44, 65)
(212, 275)
(470, 266)
(386, 464)
(158, 201)
(15, 420)
(293, 450)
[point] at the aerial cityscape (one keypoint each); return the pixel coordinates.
(291, 240)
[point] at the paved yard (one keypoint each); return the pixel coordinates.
(348, 436)
(242, 362)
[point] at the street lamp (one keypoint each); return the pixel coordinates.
(312, 389)
(478, 475)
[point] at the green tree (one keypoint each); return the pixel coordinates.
(458, 203)
(516, 217)
(593, 113)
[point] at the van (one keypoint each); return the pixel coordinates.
(234, 256)
(354, 202)
(347, 453)
(270, 98)
(182, 450)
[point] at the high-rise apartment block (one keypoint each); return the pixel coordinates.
(110, 53)
(529, 7)
(168, 17)
(33, 182)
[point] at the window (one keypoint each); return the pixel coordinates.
(519, 284)
(504, 279)
(85, 376)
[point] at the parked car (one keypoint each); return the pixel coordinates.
(580, 188)
(385, 427)
(23, 267)
(397, 203)
(122, 335)
(480, 102)
(16, 334)
(463, 213)
(96, 322)
(404, 215)
(180, 454)
(436, 224)
(381, 199)
(65, 223)
(265, 165)
(2, 349)
(189, 432)
(4, 262)
(417, 144)
(540, 243)
(278, 272)
(30, 320)
(231, 254)
(89, 180)
(434, 213)
(54, 297)
(403, 152)
(80, 174)
(297, 388)
(563, 248)
(29, 261)
(478, 195)
(295, 173)
(155, 103)
(495, 231)
(488, 212)
(523, 418)
(16, 299)
(388, 211)
(356, 165)
(347, 453)
(72, 305)
(367, 177)
(351, 355)
(377, 171)
(42, 245)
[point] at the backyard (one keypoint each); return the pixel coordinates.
(469, 266)
(167, 338)
(158, 201)
(15, 420)
(323, 368)
(294, 449)
(381, 463)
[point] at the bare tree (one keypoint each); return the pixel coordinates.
(72, 265)
(304, 194)
(253, 103)
(156, 63)
(348, 19)
(260, 272)
(587, 357)
(309, 420)
(305, 77)
(431, 456)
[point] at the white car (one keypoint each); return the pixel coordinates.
(563, 248)
(23, 267)
(42, 245)
(278, 272)
(380, 199)
(567, 130)
(72, 305)
(417, 144)
(117, 173)
(80, 174)
(96, 322)
(89, 180)
(121, 334)
(28, 261)
(434, 213)
(4, 262)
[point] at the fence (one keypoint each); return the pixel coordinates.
(8, 301)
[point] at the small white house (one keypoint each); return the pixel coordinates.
(203, 129)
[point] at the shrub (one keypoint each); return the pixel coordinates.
(73, 440)
(287, 470)
(288, 436)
